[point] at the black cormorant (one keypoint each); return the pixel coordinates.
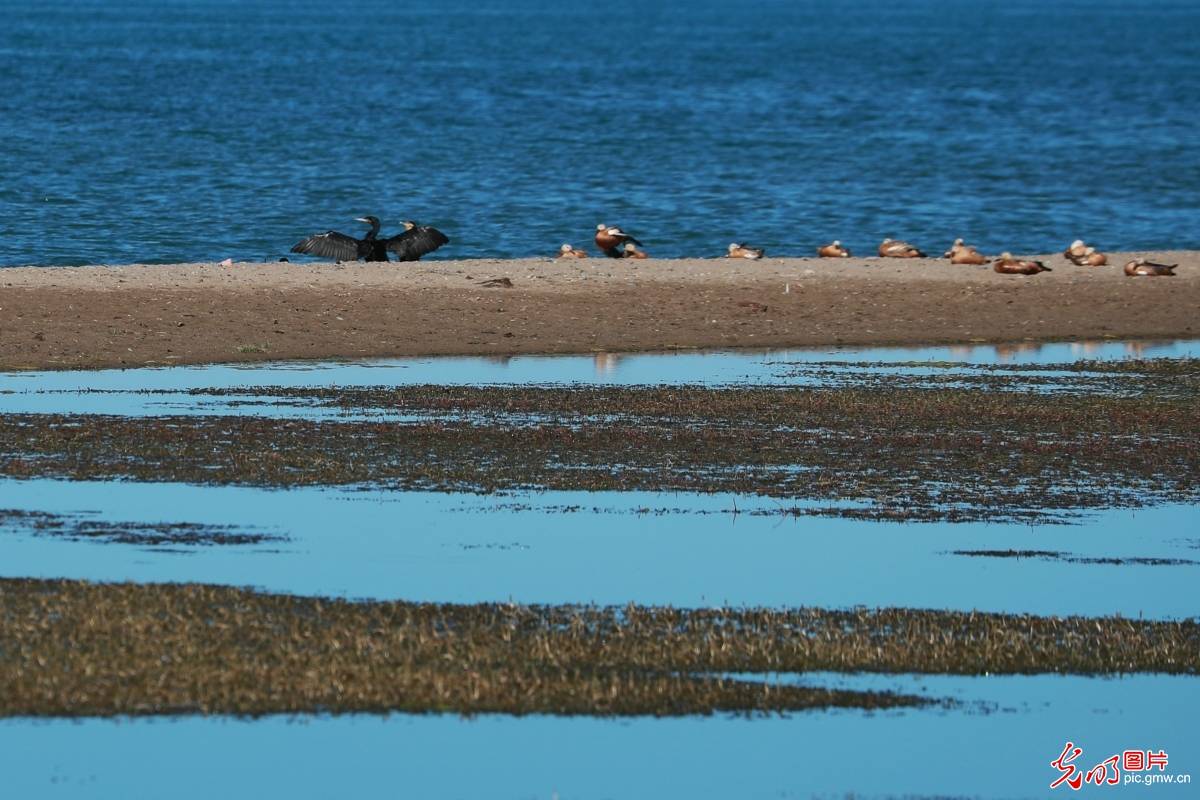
(414, 242)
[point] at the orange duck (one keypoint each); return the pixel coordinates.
(833, 250)
(1140, 267)
(742, 251)
(611, 239)
(631, 251)
(895, 249)
(1007, 265)
(567, 251)
(1090, 257)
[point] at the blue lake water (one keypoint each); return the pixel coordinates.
(158, 132)
(115, 391)
(616, 548)
(470, 548)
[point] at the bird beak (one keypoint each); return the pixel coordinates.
(362, 219)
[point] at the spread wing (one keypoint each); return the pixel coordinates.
(330, 244)
(414, 243)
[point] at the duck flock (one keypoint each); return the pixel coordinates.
(418, 240)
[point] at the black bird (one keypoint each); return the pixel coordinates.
(414, 242)
(339, 246)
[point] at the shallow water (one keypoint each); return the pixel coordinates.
(661, 549)
(149, 131)
(114, 391)
(995, 738)
(997, 743)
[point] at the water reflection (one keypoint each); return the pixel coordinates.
(606, 364)
(1008, 353)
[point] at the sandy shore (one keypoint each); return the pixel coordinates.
(104, 316)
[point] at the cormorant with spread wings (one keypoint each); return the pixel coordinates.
(415, 241)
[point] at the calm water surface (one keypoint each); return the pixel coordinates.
(995, 740)
(610, 547)
(153, 131)
(115, 391)
(617, 547)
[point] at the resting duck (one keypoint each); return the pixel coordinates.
(896, 249)
(567, 251)
(960, 253)
(610, 239)
(742, 251)
(631, 251)
(1141, 267)
(833, 250)
(1090, 257)
(1077, 249)
(1007, 265)
(968, 256)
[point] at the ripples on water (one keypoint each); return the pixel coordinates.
(150, 132)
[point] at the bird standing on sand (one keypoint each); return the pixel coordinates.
(1140, 267)
(611, 239)
(414, 242)
(896, 249)
(341, 247)
(833, 250)
(742, 251)
(631, 251)
(567, 251)
(1007, 265)
(960, 253)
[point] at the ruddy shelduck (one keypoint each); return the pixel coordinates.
(737, 250)
(833, 250)
(1007, 265)
(1140, 267)
(610, 239)
(891, 248)
(567, 251)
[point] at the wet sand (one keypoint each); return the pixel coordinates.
(135, 315)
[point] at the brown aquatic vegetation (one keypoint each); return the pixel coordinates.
(1181, 379)
(952, 454)
(158, 535)
(1181, 372)
(1057, 555)
(76, 648)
